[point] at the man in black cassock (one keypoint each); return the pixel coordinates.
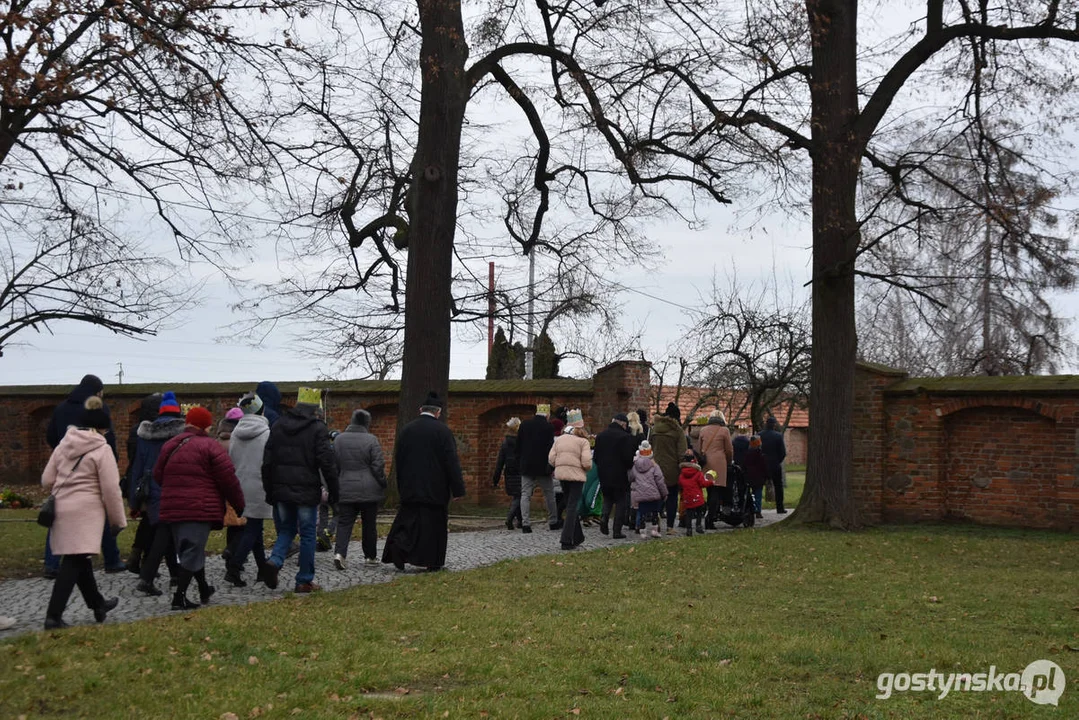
(428, 475)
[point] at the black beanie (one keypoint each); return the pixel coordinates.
(94, 415)
(673, 412)
(433, 400)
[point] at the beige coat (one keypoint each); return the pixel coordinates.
(85, 496)
(571, 457)
(715, 443)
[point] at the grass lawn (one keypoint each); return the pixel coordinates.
(770, 623)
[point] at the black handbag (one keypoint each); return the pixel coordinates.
(46, 515)
(142, 492)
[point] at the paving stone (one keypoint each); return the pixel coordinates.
(26, 600)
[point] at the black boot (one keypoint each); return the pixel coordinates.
(205, 589)
(103, 609)
(134, 562)
(700, 527)
(179, 599)
(232, 577)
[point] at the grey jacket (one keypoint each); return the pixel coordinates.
(245, 448)
(362, 466)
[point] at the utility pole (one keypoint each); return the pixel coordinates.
(531, 311)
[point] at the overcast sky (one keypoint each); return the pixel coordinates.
(661, 302)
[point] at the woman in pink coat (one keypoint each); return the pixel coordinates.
(571, 458)
(85, 482)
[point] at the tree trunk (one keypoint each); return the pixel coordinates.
(828, 496)
(432, 206)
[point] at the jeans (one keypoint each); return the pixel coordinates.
(346, 518)
(617, 500)
(109, 549)
(250, 542)
(648, 510)
(290, 519)
(514, 511)
(74, 570)
(757, 495)
(528, 486)
(672, 505)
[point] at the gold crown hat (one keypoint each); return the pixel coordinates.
(543, 409)
(575, 418)
(309, 396)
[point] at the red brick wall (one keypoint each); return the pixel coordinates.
(476, 418)
(975, 451)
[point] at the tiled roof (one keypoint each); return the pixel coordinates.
(697, 402)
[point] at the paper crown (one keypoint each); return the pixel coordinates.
(575, 418)
(184, 407)
(309, 396)
(543, 409)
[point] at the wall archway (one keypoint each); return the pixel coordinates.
(1000, 465)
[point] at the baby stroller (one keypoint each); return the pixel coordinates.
(738, 508)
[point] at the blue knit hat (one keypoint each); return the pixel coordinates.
(169, 404)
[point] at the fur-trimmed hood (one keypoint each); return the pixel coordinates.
(161, 429)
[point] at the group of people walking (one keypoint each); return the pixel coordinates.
(188, 476)
(642, 471)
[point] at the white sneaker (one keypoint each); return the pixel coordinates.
(655, 532)
(7, 622)
(370, 561)
(643, 533)
(338, 561)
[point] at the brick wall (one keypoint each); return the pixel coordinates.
(478, 411)
(990, 450)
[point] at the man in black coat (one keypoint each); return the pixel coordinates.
(614, 459)
(534, 441)
(298, 455)
(428, 476)
(775, 451)
(67, 413)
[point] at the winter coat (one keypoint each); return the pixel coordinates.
(647, 483)
(428, 469)
(69, 413)
(148, 409)
(715, 443)
(271, 401)
(692, 483)
(756, 466)
(298, 449)
(535, 437)
(87, 492)
(614, 456)
(246, 447)
(509, 463)
(740, 443)
(361, 466)
(571, 457)
(152, 437)
(668, 447)
(774, 449)
(196, 478)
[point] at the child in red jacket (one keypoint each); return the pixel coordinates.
(691, 482)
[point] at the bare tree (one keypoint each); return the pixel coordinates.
(799, 93)
(747, 343)
(983, 303)
(113, 104)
